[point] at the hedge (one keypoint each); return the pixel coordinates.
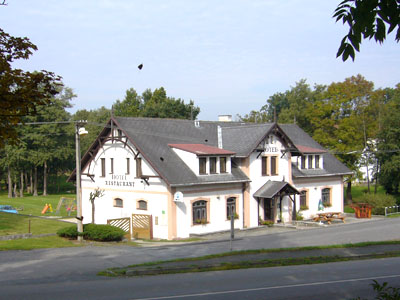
(94, 232)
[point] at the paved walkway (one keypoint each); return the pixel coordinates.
(261, 231)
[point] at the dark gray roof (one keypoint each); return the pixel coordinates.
(152, 136)
(272, 188)
(244, 138)
(332, 166)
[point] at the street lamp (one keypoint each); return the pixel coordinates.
(79, 131)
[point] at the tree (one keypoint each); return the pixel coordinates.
(21, 93)
(389, 143)
(154, 105)
(342, 121)
(366, 19)
(98, 193)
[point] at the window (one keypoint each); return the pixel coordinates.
(118, 202)
(264, 166)
(303, 162)
(317, 161)
(199, 212)
(138, 167)
(202, 165)
(303, 200)
(326, 196)
(128, 166)
(213, 165)
(112, 165)
(274, 168)
(222, 164)
(142, 204)
(103, 167)
(231, 208)
(310, 161)
(119, 131)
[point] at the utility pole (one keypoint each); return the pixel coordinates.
(79, 130)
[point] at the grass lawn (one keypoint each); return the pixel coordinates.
(16, 224)
(37, 243)
(30, 205)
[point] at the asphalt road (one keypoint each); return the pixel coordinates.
(70, 273)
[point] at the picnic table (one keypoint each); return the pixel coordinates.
(329, 217)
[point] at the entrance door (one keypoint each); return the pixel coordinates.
(268, 209)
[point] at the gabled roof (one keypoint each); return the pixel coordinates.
(201, 149)
(272, 188)
(155, 139)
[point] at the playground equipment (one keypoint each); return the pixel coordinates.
(47, 208)
(69, 204)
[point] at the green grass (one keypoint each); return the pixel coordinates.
(31, 205)
(157, 267)
(37, 243)
(11, 224)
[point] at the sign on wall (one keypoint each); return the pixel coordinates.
(178, 197)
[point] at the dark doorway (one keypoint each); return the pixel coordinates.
(268, 209)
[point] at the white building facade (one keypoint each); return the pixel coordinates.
(191, 177)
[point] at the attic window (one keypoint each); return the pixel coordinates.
(206, 141)
(162, 158)
(197, 124)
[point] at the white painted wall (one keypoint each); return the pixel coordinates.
(314, 188)
(217, 216)
(126, 187)
(257, 180)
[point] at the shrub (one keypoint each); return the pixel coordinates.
(70, 232)
(102, 233)
(94, 232)
(378, 201)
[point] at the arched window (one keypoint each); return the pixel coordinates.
(142, 204)
(199, 212)
(230, 207)
(118, 202)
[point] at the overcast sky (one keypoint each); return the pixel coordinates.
(228, 56)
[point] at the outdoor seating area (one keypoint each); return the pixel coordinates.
(328, 217)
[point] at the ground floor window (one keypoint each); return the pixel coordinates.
(118, 202)
(200, 212)
(142, 204)
(303, 200)
(231, 208)
(326, 196)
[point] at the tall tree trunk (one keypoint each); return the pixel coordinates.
(21, 188)
(15, 190)
(348, 192)
(26, 182)
(93, 211)
(10, 195)
(45, 178)
(35, 183)
(31, 181)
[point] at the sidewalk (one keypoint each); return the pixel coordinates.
(258, 231)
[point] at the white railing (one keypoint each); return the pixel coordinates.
(392, 210)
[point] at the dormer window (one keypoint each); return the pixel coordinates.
(222, 164)
(310, 161)
(213, 165)
(317, 161)
(202, 165)
(303, 162)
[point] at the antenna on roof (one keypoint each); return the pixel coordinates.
(275, 114)
(112, 111)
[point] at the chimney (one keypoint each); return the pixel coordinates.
(225, 118)
(219, 131)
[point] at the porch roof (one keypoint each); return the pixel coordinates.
(271, 188)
